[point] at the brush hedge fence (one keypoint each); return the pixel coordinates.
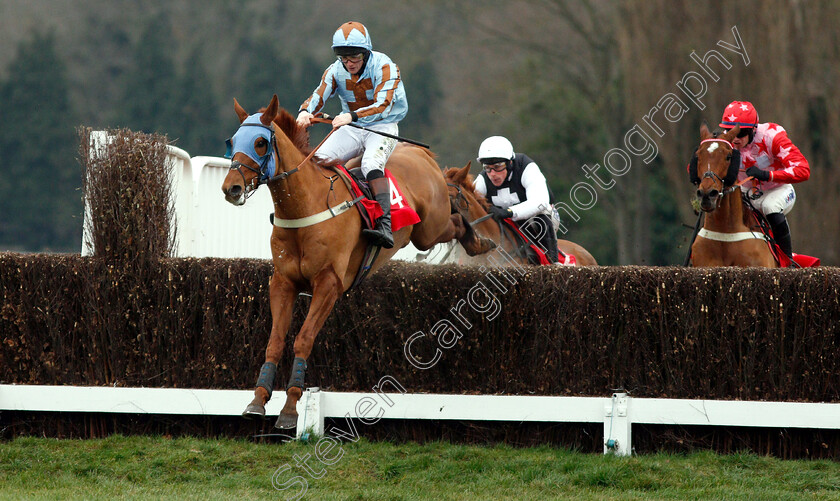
(748, 334)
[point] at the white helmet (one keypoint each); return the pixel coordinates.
(494, 149)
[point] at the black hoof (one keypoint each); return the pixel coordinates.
(286, 421)
(254, 411)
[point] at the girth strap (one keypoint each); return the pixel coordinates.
(315, 218)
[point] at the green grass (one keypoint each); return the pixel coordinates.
(160, 468)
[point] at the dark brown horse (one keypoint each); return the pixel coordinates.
(321, 248)
(474, 207)
(729, 236)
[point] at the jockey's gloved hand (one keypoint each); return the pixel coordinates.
(499, 214)
(760, 174)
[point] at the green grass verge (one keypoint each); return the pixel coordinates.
(189, 468)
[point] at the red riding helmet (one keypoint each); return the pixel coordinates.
(739, 113)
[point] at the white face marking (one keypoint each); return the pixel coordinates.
(712, 147)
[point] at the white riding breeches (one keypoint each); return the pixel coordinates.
(779, 199)
(349, 142)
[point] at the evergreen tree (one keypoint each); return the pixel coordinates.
(422, 87)
(260, 69)
(148, 102)
(39, 189)
(197, 127)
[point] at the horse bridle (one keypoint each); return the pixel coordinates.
(459, 198)
(519, 250)
(261, 176)
(709, 174)
(263, 167)
(464, 210)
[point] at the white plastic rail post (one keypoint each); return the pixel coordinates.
(617, 426)
(310, 418)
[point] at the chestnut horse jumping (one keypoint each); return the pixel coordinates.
(321, 248)
(728, 237)
(473, 207)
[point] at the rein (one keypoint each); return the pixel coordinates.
(481, 219)
(258, 180)
(461, 196)
(505, 233)
(284, 175)
(329, 213)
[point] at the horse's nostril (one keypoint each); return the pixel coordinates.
(714, 194)
(699, 194)
(235, 190)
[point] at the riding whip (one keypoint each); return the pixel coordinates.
(398, 138)
(693, 236)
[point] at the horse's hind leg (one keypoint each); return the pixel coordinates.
(326, 288)
(281, 299)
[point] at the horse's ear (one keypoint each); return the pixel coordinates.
(270, 112)
(732, 133)
(704, 132)
(240, 111)
(460, 174)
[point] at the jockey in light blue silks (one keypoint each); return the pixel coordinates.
(372, 95)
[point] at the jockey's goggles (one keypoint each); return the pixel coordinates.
(496, 167)
(353, 58)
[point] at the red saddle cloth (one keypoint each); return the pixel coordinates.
(801, 259)
(401, 213)
(564, 259)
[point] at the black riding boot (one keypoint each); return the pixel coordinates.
(381, 234)
(781, 232)
(540, 230)
(549, 242)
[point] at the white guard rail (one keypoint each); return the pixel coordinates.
(617, 413)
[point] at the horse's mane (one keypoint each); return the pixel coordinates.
(298, 135)
(464, 179)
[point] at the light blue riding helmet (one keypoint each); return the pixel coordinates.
(351, 38)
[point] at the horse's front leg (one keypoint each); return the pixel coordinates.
(282, 300)
(326, 287)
